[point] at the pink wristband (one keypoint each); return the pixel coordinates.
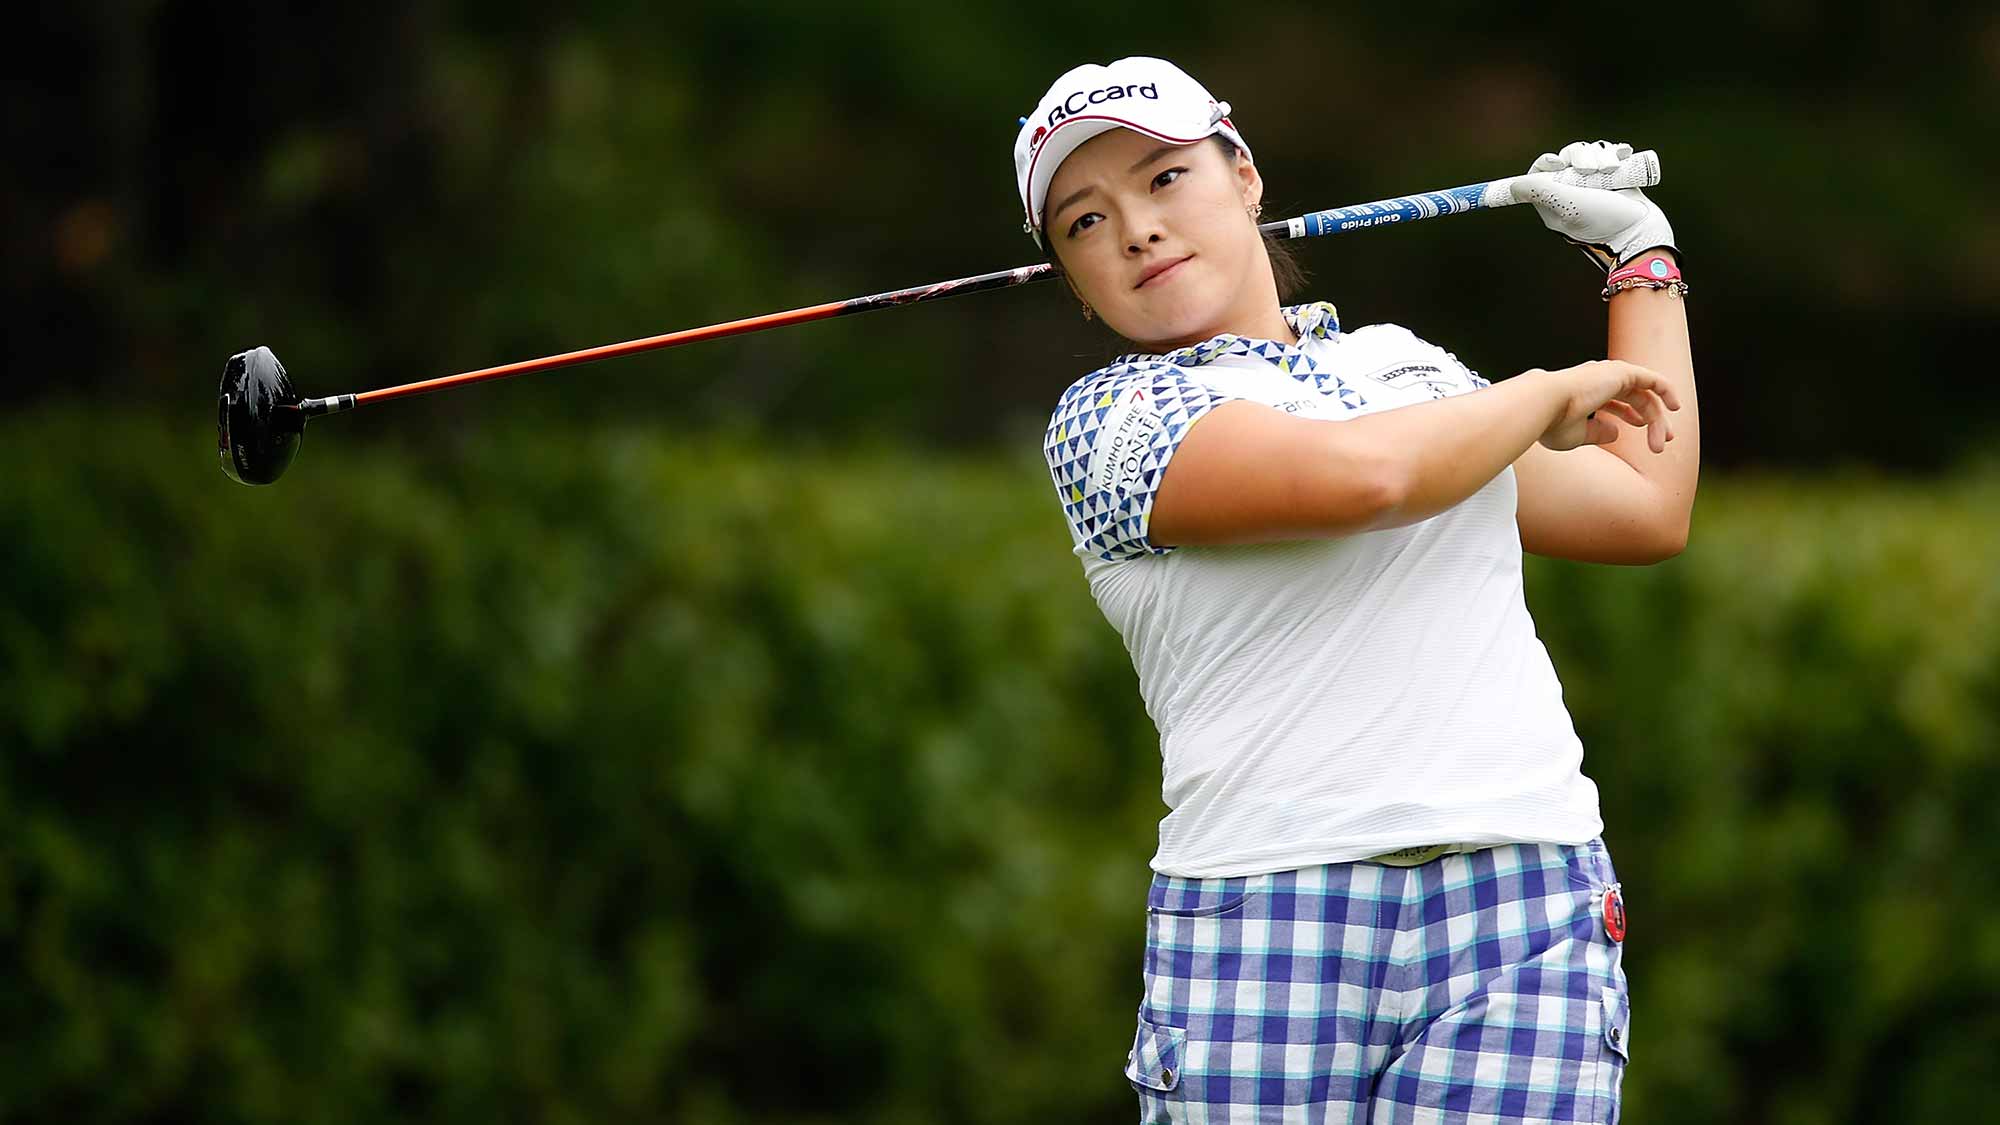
(1652, 267)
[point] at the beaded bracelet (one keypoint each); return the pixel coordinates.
(1653, 271)
(1676, 287)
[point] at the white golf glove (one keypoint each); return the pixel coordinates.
(1613, 227)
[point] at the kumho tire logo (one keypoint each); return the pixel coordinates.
(1124, 437)
(1083, 99)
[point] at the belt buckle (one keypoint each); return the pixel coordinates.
(1414, 856)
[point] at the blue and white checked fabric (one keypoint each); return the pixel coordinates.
(1480, 987)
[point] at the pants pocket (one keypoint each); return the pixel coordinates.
(1617, 1023)
(1605, 1070)
(1175, 897)
(1205, 910)
(1155, 1059)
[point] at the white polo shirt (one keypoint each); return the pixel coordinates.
(1321, 700)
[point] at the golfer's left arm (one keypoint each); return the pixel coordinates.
(1619, 502)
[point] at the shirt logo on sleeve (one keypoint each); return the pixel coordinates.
(1117, 464)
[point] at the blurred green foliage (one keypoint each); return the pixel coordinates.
(580, 774)
(725, 735)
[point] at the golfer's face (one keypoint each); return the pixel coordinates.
(1124, 205)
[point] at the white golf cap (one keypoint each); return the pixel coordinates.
(1146, 95)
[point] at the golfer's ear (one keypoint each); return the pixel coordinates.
(1252, 180)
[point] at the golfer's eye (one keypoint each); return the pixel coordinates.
(1083, 222)
(1167, 177)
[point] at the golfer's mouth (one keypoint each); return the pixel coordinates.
(1163, 270)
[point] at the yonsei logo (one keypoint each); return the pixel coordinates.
(1124, 435)
(1083, 99)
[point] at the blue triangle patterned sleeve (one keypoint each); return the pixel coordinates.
(1109, 441)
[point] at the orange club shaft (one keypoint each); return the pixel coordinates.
(606, 351)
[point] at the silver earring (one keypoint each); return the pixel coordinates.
(1256, 211)
(1087, 313)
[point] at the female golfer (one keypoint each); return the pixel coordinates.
(1380, 892)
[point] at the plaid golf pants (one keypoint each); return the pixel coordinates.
(1478, 987)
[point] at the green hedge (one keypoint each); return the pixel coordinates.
(605, 775)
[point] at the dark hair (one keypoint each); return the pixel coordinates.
(1285, 268)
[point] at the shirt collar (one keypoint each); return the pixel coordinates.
(1317, 320)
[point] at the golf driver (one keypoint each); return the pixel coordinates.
(261, 419)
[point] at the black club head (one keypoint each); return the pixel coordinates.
(258, 421)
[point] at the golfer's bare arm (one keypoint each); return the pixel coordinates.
(1621, 503)
(1249, 473)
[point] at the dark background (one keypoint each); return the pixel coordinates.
(725, 734)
